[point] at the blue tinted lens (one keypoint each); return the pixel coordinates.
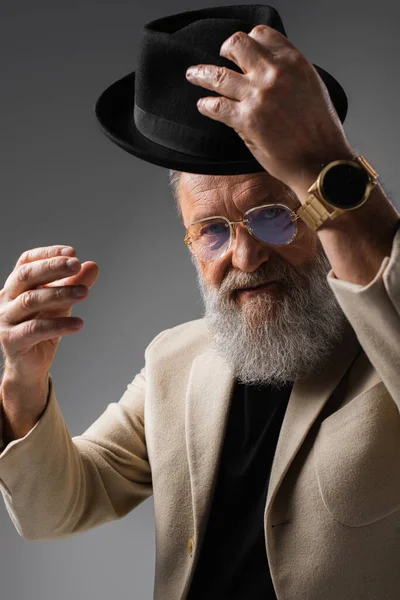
(210, 238)
(272, 224)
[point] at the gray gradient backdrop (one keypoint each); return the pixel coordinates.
(63, 182)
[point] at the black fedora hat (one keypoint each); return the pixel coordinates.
(152, 113)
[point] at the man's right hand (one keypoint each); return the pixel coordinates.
(35, 307)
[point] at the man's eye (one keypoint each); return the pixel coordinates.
(270, 213)
(213, 229)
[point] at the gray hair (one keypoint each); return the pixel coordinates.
(174, 179)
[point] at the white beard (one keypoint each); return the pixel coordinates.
(277, 337)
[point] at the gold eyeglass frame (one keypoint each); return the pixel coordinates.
(293, 215)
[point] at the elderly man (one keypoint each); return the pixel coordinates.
(268, 431)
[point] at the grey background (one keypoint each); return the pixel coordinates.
(63, 182)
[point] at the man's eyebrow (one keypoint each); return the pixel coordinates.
(202, 217)
(268, 199)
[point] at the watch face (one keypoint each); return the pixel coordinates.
(344, 185)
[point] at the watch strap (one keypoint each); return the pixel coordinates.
(314, 212)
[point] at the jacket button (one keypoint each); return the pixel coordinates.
(190, 546)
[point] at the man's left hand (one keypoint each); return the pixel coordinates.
(279, 105)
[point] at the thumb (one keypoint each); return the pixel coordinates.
(86, 276)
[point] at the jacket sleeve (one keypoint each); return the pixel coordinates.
(373, 311)
(55, 486)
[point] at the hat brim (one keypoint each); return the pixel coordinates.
(114, 113)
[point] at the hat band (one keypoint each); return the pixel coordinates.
(176, 136)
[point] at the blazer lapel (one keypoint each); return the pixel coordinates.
(306, 402)
(208, 397)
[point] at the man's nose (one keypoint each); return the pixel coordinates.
(246, 251)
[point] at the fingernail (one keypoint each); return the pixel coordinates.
(73, 264)
(79, 291)
(190, 73)
(67, 251)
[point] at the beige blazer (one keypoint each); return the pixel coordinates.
(332, 514)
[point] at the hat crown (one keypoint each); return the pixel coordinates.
(206, 36)
(169, 46)
(209, 34)
(249, 13)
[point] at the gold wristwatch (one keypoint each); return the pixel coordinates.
(342, 185)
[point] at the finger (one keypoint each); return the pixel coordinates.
(244, 51)
(228, 83)
(44, 302)
(271, 40)
(87, 276)
(30, 275)
(220, 109)
(29, 333)
(44, 252)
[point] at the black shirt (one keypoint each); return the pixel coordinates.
(233, 561)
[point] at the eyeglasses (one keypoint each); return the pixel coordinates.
(210, 238)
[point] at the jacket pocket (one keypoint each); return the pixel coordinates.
(357, 459)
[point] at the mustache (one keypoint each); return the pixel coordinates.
(233, 283)
(254, 284)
